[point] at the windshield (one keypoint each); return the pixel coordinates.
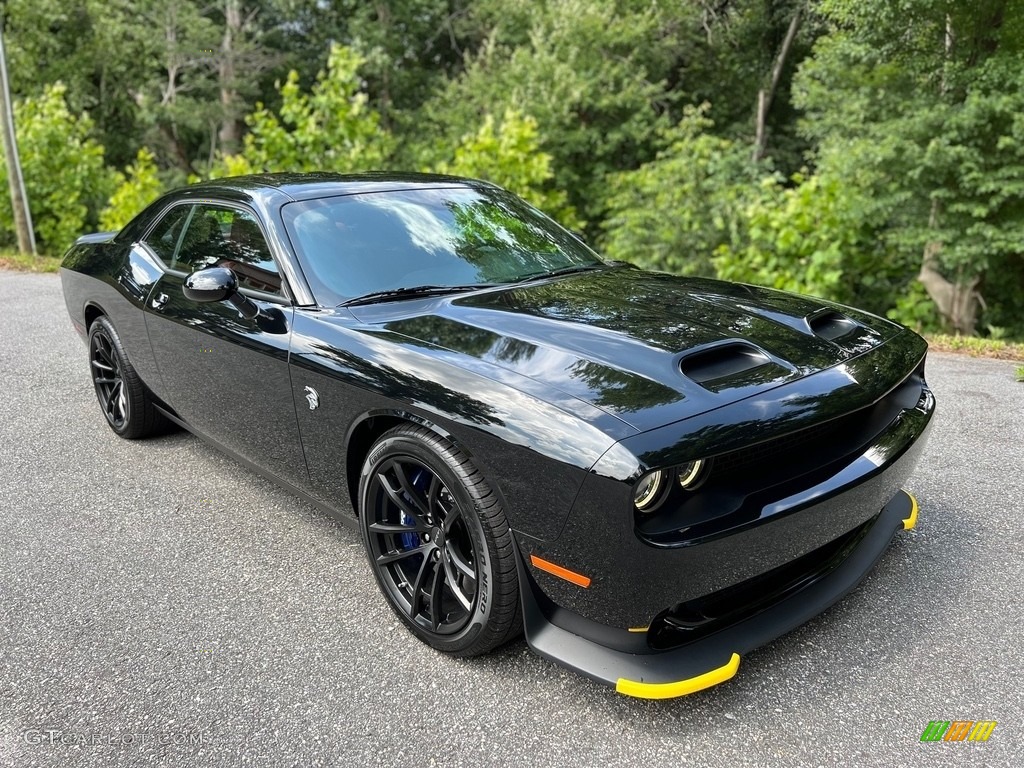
(355, 245)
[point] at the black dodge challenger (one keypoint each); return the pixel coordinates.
(647, 475)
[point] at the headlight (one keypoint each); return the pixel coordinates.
(650, 490)
(692, 474)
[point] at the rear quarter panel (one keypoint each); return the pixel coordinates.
(114, 280)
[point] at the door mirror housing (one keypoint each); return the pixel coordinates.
(209, 285)
(218, 284)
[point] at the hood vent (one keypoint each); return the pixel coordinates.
(722, 361)
(831, 325)
(842, 331)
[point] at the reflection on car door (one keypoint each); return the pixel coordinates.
(225, 375)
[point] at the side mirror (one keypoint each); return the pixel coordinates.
(209, 285)
(218, 284)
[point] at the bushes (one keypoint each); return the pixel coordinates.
(137, 187)
(675, 212)
(509, 155)
(65, 177)
(330, 128)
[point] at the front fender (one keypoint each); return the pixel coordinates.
(534, 453)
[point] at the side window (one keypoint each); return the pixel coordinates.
(164, 239)
(226, 237)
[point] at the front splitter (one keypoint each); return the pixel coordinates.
(662, 674)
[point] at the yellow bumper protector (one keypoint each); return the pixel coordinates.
(911, 521)
(681, 687)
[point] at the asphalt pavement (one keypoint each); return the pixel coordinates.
(162, 605)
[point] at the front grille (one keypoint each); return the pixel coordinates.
(805, 440)
(740, 483)
(685, 622)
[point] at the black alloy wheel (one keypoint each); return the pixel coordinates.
(106, 376)
(421, 543)
(438, 543)
(124, 399)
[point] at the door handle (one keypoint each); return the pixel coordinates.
(159, 301)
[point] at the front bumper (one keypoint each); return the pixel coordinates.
(665, 604)
(625, 659)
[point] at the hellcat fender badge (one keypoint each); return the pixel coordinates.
(313, 397)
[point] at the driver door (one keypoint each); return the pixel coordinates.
(226, 376)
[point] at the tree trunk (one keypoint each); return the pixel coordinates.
(384, 20)
(181, 157)
(957, 301)
(230, 133)
(765, 97)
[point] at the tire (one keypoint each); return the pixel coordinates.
(125, 401)
(438, 543)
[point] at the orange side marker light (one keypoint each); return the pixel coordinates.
(563, 573)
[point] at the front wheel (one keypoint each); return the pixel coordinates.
(438, 543)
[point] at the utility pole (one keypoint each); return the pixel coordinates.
(19, 200)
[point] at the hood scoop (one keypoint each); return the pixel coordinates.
(831, 325)
(731, 364)
(845, 333)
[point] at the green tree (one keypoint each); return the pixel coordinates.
(146, 70)
(592, 73)
(732, 55)
(330, 128)
(509, 155)
(814, 235)
(65, 177)
(137, 187)
(92, 46)
(917, 104)
(409, 46)
(675, 212)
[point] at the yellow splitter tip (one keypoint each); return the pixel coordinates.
(680, 687)
(911, 521)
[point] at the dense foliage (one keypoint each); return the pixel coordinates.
(64, 173)
(869, 151)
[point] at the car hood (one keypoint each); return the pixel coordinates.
(648, 348)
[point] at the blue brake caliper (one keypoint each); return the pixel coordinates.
(412, 540)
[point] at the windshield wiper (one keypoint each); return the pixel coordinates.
(561, 271)
(419, 291)
(411, 292)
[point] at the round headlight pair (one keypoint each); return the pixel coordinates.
(654, 487)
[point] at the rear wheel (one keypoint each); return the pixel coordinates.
(438, 543)
(125, 401)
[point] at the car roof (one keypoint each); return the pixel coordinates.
(305, 186)
(276, 189)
